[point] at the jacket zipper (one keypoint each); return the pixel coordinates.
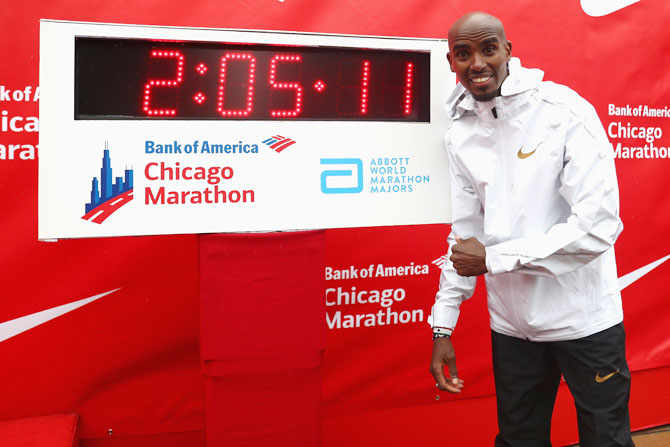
(504, 173)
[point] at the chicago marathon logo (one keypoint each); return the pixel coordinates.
(107, 196)
(278, 143)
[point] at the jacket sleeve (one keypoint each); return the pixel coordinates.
(589, 186)
(467, 221)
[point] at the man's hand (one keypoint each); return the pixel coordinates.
(469, 257)
(443, 354)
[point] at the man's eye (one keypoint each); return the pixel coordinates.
(489, 50)
(462, 54)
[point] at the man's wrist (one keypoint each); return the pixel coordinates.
(436, 336)
(442, 332)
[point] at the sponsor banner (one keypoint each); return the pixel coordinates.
(637, 131)
(380, 286)
(140, 343)
(167, 160)
(21, 127)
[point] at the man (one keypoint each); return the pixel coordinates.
(535, 209)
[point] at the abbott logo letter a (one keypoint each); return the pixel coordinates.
(599, 8)
(341, 179)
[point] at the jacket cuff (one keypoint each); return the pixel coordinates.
(442, 332)
(509, 260)
(493, 262)
(443, 318)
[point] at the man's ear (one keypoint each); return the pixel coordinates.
(508, 48)
(451, 65)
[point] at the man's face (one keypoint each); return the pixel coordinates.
(478, 54)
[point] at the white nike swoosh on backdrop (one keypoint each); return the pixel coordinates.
(599, 8)
(10, 328)
(629, 278)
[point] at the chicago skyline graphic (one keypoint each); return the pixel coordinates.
(108, 194)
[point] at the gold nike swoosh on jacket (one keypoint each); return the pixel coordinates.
(523, 155)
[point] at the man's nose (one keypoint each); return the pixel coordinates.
(478, 62)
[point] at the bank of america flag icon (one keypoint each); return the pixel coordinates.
(278, 143)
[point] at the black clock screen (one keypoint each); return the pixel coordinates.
(148, 79)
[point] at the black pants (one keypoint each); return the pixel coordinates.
(527, 375)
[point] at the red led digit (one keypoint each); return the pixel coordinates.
(365, 79)
(250, 84)
(286, 85)
(409, 81)
(146, 106)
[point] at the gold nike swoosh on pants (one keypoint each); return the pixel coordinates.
(604, 378)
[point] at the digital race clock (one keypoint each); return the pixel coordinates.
(164, 130)
(142, 79)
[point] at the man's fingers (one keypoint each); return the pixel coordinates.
(442, 382)
(451, 363)
(438, 373)
(450, 359)
(458, 239)
(444, 358)
(454, 385)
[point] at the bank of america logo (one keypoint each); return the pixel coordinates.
(278, 143)
(108, 196)
(439, 262)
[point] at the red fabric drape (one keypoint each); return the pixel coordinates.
(54, 430)
(262, 337)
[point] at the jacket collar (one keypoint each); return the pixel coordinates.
(520, 80)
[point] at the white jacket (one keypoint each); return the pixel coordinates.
(537, 186)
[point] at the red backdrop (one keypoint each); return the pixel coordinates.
(130, 361)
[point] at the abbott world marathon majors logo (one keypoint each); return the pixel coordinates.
(108, 194)
(386, 175)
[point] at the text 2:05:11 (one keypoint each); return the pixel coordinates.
(250, 60)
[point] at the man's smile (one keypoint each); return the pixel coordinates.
(480, 80)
